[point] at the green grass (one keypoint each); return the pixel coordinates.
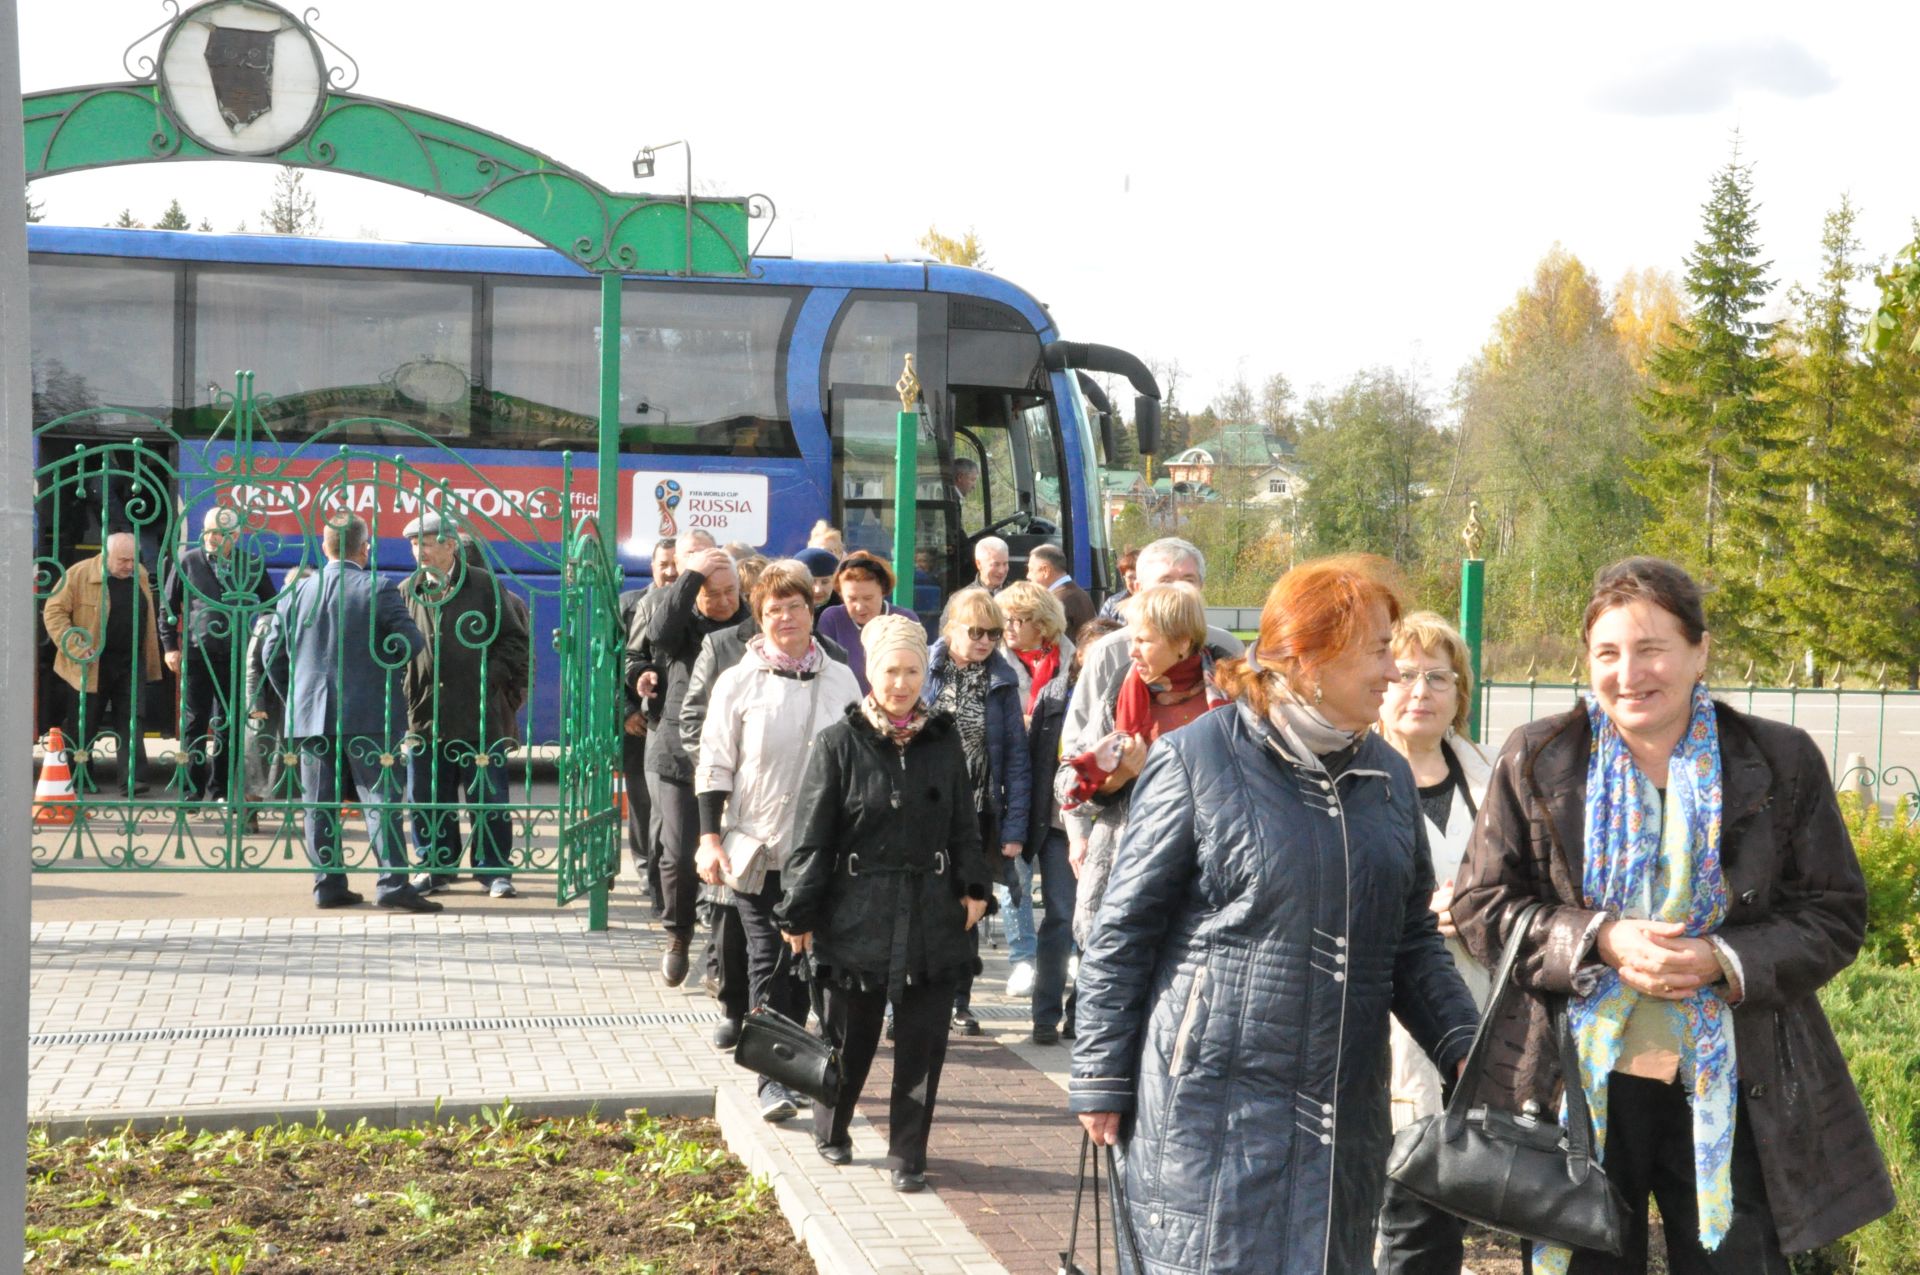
(1875, 1011)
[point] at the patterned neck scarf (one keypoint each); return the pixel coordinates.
(1641, 865)
(963, 692)
(900, 731)
(780, 662)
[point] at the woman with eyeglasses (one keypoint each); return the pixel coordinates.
(969, 678)
(1424, 716)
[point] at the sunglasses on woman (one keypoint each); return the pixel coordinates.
(991, 635)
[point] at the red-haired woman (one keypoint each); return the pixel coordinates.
(1267, 910)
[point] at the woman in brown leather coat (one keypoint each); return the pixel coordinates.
(1700, 889)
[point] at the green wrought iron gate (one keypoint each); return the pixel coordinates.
(193, 623)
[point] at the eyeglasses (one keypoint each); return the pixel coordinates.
(1437, 679)
(991, 635)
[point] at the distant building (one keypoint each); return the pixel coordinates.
(1239, 458)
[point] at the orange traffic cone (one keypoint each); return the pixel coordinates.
(53, 799)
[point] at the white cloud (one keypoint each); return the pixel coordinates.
(1709, 77)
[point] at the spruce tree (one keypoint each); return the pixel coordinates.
(1716, 431)
(174, 218)
(294, 210)
(1840, 472)
(36, 210)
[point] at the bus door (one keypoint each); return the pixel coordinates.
(1007, 439)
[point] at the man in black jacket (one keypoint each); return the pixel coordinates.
(212, 597)
(705, 599)
(464, 695)
(642, 841)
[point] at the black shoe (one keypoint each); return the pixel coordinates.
(968, 1026)
(344, 899)
(908, 1183)
(408, 901)
(1046, 1035)
(673, 966)
(726, 1033)
(834, 1154)
(1066, 1028)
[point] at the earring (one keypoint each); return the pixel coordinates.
(1317, 693)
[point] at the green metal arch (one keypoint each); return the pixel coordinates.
(107, 125)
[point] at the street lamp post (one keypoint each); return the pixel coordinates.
(643, 168)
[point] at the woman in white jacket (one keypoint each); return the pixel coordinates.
(762, 719)
(1423, 716)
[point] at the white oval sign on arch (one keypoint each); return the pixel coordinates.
(242, 77)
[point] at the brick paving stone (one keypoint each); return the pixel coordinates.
(1004, 1153)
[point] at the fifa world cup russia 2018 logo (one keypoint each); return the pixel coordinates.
(667, 495)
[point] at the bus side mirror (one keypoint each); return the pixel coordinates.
(1109, 444)
(1146, 424)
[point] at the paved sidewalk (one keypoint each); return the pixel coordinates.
(363, 1007)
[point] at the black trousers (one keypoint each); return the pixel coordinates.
(919, 1052)
(111, 709)
(773, 972)
(633, 753)
(725, 958)
(1650, 1153)
(204, 714)
(990, 838)
(679, 815)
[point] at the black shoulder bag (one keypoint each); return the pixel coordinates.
(780, 1049)
(1520, 1174)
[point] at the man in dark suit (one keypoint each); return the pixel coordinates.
(212, 594)
(339, 650)
(464, 696)
(1047, 567)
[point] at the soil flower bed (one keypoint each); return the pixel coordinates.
(494, 1193)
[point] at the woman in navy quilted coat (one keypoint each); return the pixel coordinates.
(1267, 911)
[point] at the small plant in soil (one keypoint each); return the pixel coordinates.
(495, 1193)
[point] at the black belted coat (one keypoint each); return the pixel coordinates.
(885, 845)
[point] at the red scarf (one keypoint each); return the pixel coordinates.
(1133, 713)
(1042, 663)
(1133, 710)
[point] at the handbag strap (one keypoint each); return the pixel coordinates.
(1469, 1086)
(1067, 1266)
(1579, 1116)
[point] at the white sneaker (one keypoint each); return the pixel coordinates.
(502, 888)
(424, 883)
(1020, 981)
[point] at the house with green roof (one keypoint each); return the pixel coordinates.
(1240, 457)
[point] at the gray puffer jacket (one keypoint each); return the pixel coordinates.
(1261, 922)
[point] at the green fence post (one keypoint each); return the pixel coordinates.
(607, 518)
(906, 486)
(1473, 591)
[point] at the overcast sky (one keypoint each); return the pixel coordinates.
(1310, 190)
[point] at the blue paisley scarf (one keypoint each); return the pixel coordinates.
(1642, 865)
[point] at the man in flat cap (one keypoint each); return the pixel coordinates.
(465, 691)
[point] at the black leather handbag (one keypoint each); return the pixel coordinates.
(774, 1046)
(1521, 1174)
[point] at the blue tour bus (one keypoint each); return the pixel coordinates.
(763, 404)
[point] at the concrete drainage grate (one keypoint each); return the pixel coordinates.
(391, 1027)
(395, 1027)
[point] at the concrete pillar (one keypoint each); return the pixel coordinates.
(16, 647)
